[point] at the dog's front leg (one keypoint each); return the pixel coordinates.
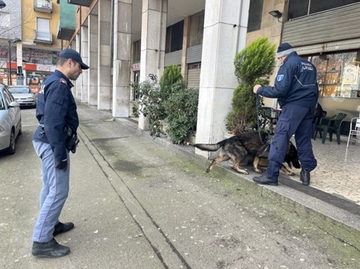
(256, 164)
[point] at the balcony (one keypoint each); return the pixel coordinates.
(43, 6)
(65, 30)
(42, 37)
(85, 3)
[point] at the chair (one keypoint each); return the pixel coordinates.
(333, 126)
(267, 115)
(318, 119)
(354, 130)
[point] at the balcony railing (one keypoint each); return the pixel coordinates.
(43, 37)
(43, 6)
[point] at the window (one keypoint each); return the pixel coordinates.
(338, 74)
(174, 37)
(255, 14)
(43, 29)
(137, 51)
(196, 29)
(298, 8)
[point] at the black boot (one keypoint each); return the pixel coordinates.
(265, 181)
(305, 177)
(62, 228)
(50, 249)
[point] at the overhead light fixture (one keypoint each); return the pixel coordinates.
(2, 4)
(275, 13)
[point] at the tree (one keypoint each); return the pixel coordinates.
(253, 65)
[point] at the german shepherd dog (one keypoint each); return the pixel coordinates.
(239, 147)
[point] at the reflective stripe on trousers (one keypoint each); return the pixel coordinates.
(53, 194)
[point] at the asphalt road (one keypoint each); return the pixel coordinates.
(138, 204)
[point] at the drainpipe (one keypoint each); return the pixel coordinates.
(160, 41)
(112, 33)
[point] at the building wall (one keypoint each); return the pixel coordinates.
(269, 26)
(38, 59)
(29, 16)
(272, 28)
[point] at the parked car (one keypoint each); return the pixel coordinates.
(10, 120)
(24, 95)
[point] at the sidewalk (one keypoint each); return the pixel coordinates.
(335, 181)
(139, 202)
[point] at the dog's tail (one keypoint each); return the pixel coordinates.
(208, 147)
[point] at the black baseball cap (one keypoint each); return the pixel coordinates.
(74, 55)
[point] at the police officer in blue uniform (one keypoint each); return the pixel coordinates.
(58, 122)
(297, 92)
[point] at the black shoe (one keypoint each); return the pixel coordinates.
(62, 228)
(265, 181)
(305, 177)
(50, 249)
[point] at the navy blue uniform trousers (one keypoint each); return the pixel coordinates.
(296, 120)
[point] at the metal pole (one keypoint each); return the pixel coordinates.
(10, 82)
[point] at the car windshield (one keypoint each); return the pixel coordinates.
(20, 90)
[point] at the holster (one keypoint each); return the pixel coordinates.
(71, 141)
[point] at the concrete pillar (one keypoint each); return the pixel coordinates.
(153, 36)
(77, 84)
(104, 55)
(225, 26)
(186, 35)
(93, 59)
(122, 58)
(84, 56)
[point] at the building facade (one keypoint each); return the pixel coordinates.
(31, 31)
(125, 40)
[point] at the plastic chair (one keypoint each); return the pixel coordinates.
(333, 126)
(354, 130)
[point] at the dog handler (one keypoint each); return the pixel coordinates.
(297, 92)
(56, 113)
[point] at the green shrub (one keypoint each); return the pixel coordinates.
(153, 96)
(181, 108)
(252, 66)
(150, 105)
(170, 77)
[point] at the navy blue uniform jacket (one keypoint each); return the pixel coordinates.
(295, 83)
(56, 111)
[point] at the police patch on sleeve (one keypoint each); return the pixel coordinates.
(63, 81)
(280, 77)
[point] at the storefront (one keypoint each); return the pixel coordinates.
(328, 32)
(339, 83)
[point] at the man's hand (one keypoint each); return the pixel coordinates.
(256, 87)
(62, 165)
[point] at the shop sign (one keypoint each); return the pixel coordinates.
(135, 67)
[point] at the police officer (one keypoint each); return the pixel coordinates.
(56, 113)
(297, 92)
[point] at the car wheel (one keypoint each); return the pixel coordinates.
(11, 149)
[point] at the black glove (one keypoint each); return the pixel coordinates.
(62, 165)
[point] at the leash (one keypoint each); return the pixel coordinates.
(257, 118)
(266, 145)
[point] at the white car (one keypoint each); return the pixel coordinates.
(24, 95)
(10, 120)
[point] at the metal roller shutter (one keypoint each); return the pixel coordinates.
(194, 75)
